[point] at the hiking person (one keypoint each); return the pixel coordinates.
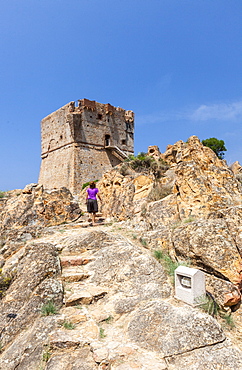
(91, 200)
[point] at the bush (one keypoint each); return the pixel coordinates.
(143, 162)
(208, 304)
(159, 168)
(139, 163)
(49, 308)
(5, 281)
(2, 194)
(169, 265)
(101, 333)
(68, 325)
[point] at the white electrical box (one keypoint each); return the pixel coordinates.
(189, 285)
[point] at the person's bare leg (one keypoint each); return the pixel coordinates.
(93, 218)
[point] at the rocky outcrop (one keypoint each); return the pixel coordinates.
(236, 168)
(25, 213)
(115, 303)
(118, 310)
(200, 184)
(204, 183)
(37, 206)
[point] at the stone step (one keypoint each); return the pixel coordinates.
(73, 260)
(72, 274)
(85, 295)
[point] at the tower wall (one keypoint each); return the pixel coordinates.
(80, 143)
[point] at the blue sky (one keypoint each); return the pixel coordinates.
(176, 63)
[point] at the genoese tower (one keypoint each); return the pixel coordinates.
(79, 142)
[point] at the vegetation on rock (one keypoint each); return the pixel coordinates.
(5, 281)
(49, 308)
(216, 145)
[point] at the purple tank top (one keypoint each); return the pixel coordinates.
(92, 193)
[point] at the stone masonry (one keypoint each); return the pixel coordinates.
(80, 143)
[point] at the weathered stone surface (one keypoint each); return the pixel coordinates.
(170, 330)
(220, 357)
(26, 351)
(80, 359)
(220, 289)
(34, 284)
(24, 215)
(117, 194)
(38, 206)
(162, 212)
(154, 151)
(73, 261)
(204, 183)
(129, 271)
(209, 244)
(236, 168)
(83, 295)
(72, 274)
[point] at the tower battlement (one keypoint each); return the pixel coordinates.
(79, 142)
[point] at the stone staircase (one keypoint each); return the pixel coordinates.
(75, 314)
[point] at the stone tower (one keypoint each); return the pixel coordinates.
(80, 143)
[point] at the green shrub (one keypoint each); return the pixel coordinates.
(46, 355)
(2, 194)
(229, 320)
(189, 219)
(167, 262)
(208, 305)
(49, 308)
(68, 325)
(139, 163)
(109, 319)
(79, 307)
(130, 158)
(143, 242)
(5, 281)
(101, 333)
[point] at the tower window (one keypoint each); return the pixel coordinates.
(123, 142)
(99, 116)
(107, 140)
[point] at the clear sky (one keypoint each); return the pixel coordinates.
(176, 63)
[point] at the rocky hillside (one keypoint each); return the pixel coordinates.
(80, 297)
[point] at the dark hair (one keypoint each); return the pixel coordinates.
(92, 185)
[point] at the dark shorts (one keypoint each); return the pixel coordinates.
(92, 206)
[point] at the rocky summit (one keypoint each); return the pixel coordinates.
(80, 297)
